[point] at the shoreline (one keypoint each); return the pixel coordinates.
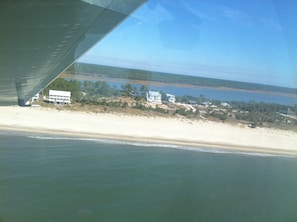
(180, 85)
(157, 130)
(155, 141)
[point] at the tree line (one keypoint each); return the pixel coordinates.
(91, 91)
(136, 74)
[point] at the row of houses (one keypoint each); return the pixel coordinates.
(156, 97)
(64, 97)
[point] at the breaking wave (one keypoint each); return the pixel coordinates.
(160, 145)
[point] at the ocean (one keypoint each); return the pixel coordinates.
(56, 178)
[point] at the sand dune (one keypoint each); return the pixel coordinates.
(148, 129)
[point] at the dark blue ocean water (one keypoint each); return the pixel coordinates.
(53, 178)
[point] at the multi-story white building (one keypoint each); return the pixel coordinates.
(57, 96)
(154, 97)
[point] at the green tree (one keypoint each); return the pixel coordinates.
(201, 99)
(143, 90)
(128, 90)
(164, 97)
(87, 86)
(102, 89)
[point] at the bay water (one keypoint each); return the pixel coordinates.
(221, 94)
(56, 178)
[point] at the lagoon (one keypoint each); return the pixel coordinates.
(221, 94)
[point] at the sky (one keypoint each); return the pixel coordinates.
(251, 41)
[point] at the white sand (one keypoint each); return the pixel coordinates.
(162, 130)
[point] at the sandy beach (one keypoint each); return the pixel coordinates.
(148, 129)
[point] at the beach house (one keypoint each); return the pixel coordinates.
(61, 97)
(154, 97)
(171, 98)
(227, 105)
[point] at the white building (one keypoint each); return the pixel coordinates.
(206, 103)
(57, 96)
(154, 97)
(171, 98)
(225, 104)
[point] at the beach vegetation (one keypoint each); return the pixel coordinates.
(129, 90)
(164, 96)
(223, 116)
(143, 90)
(187, 113)
(191, 99)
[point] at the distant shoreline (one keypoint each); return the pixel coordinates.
(181, 85)
(158, 130)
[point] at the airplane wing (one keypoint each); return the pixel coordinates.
(39, 39)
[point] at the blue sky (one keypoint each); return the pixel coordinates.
(251, 41)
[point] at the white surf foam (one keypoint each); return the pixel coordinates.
(160, 145)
